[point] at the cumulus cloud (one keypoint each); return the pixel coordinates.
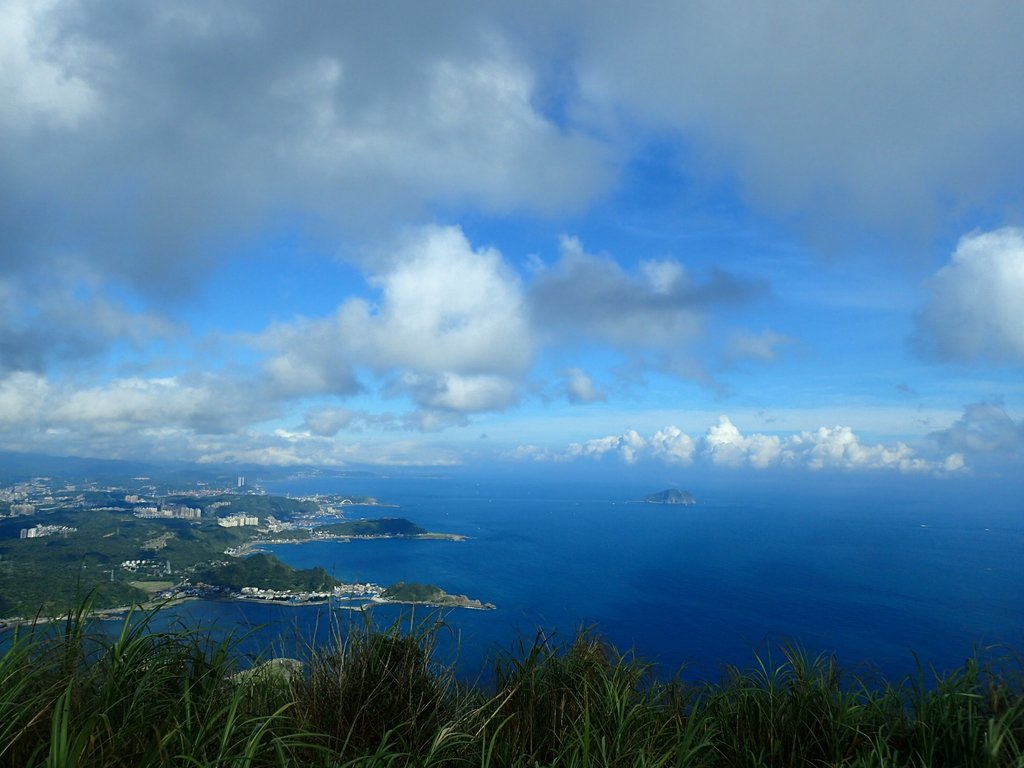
(446, 306)
(449, 326)
(673, 446)
(726, 445)
(653, 315)
(984, 429)
(463, 394)
(579, 387)
(591, 297)
(974, 308)
(826, 448)
(627, 446)
(839, 448)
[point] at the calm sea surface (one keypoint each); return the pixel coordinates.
(871, 575)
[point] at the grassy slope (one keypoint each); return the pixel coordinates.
(374, 698)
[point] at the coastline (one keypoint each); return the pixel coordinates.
(119, 612)
(251, 547)
(261, 545)
(100, 614)
(469, 604)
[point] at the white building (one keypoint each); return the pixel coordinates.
(237, 521)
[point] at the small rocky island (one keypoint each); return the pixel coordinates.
(671, 496)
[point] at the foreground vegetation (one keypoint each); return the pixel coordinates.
(373, 697)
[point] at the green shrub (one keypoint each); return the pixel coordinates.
(71, 695)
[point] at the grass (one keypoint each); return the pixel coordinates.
(70, 696)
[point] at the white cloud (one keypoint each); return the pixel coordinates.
(205, 404)
(23, 398)
(579, 387)
(975, 308)
(673, 445)
(38, 414)
(449, 321)
(826, 448)
(447, 307)
(839, 448)
(627, 446)
(462, 393)
(207, 419)
(725, 445)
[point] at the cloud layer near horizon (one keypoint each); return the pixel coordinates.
(723, 445)
(168, 419)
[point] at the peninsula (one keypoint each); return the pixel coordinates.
(428, 594)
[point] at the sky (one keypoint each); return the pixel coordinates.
(774, 237)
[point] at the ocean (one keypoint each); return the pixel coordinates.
(880, 574)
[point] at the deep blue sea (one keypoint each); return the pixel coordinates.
(871, 572)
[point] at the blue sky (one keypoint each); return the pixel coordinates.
(761, 236)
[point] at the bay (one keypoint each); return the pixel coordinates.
(872, 574)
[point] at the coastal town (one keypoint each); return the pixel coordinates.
(141, 542)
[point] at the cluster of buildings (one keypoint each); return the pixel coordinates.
(163, 566)
(343, 591)
(286, 595)
(36, 487)
(175, 511)
(237, 521)
(37, 531)
(26, 498)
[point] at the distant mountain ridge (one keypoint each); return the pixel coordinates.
(671, 496)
